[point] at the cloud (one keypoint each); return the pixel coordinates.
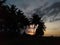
(47, 9)
(49, 13)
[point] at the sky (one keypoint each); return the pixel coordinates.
(49, 10)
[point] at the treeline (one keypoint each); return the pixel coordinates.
(13, 20)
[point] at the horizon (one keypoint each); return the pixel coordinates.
(52, 21)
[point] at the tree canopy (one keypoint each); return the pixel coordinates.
(13, 20)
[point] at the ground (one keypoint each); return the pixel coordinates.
(4, 40)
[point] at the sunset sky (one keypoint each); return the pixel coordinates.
(49, 10)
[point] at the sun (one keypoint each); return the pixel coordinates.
(31, 29)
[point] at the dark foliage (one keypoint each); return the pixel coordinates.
(41, 27)
(2, 1)
(13, 20)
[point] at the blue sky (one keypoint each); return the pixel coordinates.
(53, 28)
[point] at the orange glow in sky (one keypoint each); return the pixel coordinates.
(53, 29)
(31, 30)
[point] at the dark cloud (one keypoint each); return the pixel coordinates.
(55, 7)
(49, 11)
(41, 7)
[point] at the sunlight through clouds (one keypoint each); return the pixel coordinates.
(31, 29)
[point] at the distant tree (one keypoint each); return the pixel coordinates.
(41, 27)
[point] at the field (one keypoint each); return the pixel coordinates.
(5, 40)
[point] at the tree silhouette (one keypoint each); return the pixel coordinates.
(9, 17)
(22, 19)
(14, 20)
(41, 27)
(2, 14)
